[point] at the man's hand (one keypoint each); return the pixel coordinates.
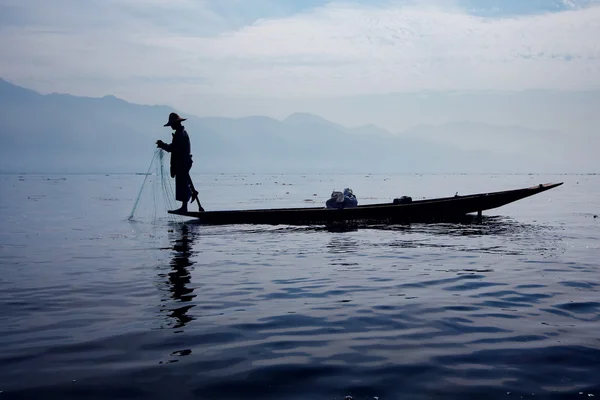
(160, 144)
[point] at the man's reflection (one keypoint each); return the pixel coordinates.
(179, 276)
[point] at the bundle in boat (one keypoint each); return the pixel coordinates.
(339, 200)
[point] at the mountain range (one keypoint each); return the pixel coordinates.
(62, 133)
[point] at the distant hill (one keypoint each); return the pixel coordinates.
(64, 133)
(541, 147)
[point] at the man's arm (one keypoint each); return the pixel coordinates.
(165, 146)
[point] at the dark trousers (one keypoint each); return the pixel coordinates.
(183, 191)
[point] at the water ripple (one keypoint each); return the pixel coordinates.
(97, 310)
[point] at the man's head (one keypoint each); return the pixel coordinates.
(174, 121)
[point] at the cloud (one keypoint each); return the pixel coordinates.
(347, 49)
(578, 4)
(135, 48)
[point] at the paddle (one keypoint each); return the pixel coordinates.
(194, 194)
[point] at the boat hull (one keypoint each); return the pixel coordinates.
(432, 210)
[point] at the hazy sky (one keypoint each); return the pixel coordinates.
(234, 57)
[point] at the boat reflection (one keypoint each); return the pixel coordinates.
(468, 225)
(342, 244)
(178, 278)
(341, 249)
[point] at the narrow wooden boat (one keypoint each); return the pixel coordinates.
(430, 210)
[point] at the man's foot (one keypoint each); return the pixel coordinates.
(180, 210)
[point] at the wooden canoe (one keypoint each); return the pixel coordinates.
(429, 210)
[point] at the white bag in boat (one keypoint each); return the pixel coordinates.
(345, 199)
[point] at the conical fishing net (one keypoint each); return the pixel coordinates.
(157, 194)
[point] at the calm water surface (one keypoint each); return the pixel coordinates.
(96, 306)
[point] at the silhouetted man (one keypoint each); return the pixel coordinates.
(181, 162)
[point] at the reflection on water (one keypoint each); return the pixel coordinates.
(342, 244)
(469, 225)
(503, 309)
(342, 247)
(492, 235)
(178, 279)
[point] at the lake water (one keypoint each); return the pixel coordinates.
(96, 306)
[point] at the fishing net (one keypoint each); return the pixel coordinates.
(157, 194)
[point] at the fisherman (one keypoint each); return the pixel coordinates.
(181, 162)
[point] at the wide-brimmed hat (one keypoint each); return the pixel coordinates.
(173, 117)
